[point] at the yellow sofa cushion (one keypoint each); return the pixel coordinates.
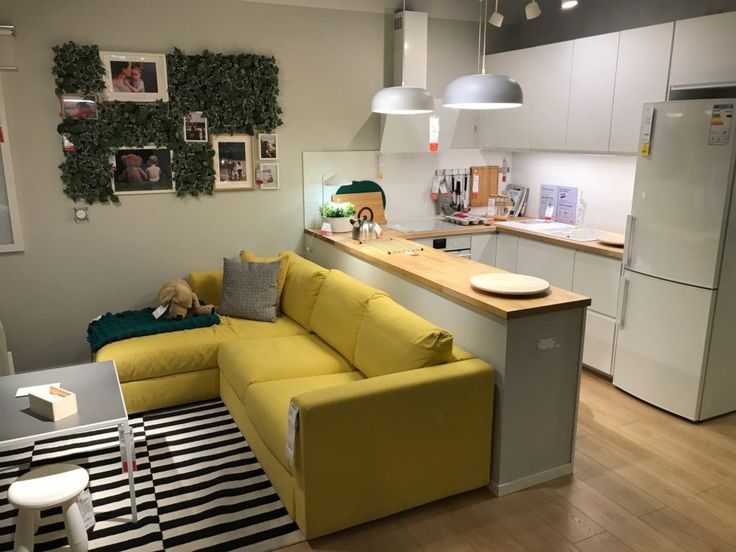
(267, 405)
(339, 311)
(393, 339)
(303, 282)
(249, 361)
(207, 285)
(247, 329)
(250, 257)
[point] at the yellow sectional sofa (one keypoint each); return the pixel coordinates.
(386, 413)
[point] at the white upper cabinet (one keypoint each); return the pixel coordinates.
(550, 95)
(509, 128)
(703, 51)
(641, 77)
(591, 92)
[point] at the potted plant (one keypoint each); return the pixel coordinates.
(338, 215)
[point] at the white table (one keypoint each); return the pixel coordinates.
(99, 401)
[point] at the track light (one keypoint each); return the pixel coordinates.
(496, 18)
(533, 10)
(567, 4)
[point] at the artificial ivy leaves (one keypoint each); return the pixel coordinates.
(237, 93)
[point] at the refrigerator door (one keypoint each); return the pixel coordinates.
(681, 195)
(662, 339)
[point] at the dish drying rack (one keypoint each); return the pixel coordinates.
(393, 246)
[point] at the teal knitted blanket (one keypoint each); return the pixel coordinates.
(123, 325)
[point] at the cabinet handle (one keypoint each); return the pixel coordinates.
(628, 239)
(624, 300)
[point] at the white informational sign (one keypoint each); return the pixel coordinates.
(645, 140)
(547, 197)
(720, 125)
(567, 204)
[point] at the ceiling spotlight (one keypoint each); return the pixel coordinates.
(567, 4)
(533, 10)
(496, 18)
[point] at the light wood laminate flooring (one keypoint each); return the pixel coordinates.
(644, 481)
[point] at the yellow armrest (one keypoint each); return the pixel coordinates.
(373, 447)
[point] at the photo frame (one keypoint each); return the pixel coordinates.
(78, 106)
(145, 170)
(268, 176)
(135, 77)
(233, 162)
(195, 127)
(268, 147)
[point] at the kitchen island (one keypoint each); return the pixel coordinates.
(534, 343)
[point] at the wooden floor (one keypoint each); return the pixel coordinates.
(644, 480)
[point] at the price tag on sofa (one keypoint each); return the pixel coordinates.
(160, 310)
(293, 425)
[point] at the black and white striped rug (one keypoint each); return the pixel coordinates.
(198, 487)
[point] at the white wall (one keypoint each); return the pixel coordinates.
(607, 182)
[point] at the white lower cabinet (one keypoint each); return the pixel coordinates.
(483, 248)
(506, 249)
(551, 262)
(600, 331)
(598, 278)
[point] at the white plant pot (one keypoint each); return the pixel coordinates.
(339, 224)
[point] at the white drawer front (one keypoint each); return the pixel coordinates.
(506, 249)
(598, 349)
(551, 262)
(598, 278)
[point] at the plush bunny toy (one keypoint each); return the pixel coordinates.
(181, 300)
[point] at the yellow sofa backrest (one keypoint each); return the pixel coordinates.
(303, 283)
(339, 311)
(207, 284)
(393, 339)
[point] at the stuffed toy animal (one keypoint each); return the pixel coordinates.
(132, 171)
(181, 300)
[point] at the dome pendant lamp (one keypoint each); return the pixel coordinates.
(402, 100)
(483, 91)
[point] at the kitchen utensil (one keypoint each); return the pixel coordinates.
(504, 283)
(367, 229)
(366, 199)
(616, 240)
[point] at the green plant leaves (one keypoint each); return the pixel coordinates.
(237, 93)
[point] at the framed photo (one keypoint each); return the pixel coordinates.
(135, 77)
(233, 162)
(268, 147)
(268, 176)
(195, 127)
(78, 106)
(144, 170)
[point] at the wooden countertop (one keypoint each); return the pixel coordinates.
(450, 275)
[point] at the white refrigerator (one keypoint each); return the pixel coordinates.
(676, 338)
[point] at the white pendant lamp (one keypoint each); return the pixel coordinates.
(483, 91)
(567, 4)
(402, 100)
(496, 18)
(532, 10)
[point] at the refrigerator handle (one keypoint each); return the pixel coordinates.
(629, 239)
(624, 300)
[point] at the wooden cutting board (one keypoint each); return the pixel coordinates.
(367, 199)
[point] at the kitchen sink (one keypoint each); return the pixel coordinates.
(537, 225)
(578, 234)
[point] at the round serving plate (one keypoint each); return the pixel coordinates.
(612, 239)
(509, 284)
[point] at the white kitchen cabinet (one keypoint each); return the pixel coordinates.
(551, 262)
(550, 94)
(509, 128)
(598, 278)
(641, 77)
(591, 92)
(483, 248)
(599, 337)
(703, 51)
(465, 135)
(506, 252)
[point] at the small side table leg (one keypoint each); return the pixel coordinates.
(25, 530)
(74, 524)
(128, 442)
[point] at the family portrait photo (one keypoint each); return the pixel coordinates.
(78, 106)
(142, 171)
(195, 127)
(268, 146)
(268, 176)
(233, 163)
(135, 77)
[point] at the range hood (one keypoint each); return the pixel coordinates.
(410, 133)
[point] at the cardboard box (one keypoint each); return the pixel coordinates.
(54, 404)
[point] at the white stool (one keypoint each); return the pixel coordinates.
(46, 487)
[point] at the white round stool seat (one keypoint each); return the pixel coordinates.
(48, 486)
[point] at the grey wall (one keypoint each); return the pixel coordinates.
(331, 63)
(590, 17)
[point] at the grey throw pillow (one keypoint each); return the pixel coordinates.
(249, 290)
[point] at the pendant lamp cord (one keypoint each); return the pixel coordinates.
(480, 27)
(485, 33)
(403, 48)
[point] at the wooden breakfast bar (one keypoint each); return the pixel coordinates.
(534, 343)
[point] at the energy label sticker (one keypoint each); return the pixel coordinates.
(720, 124)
